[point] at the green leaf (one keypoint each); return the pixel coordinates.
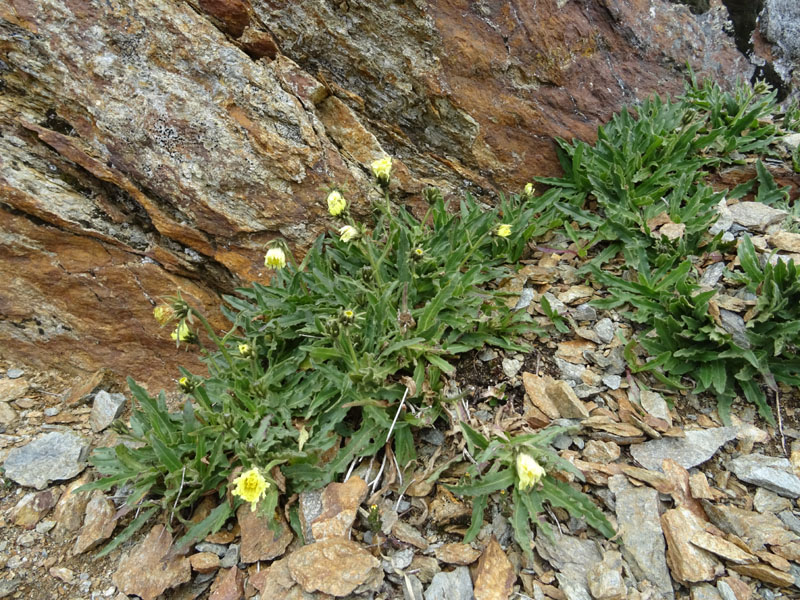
(211, 524)
(577, 504)
(474, 439)
(478, 506)
(487, 484)
(126, 533)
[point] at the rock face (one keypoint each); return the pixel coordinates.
(159, 145)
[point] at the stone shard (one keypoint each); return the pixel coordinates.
(454, 585)
(259, 540)
(340, 502)
(755, 215)
(32, 507)
(722, 548)
(688, 563)
(105, 409)
(494, 575)
(566, 402)
(98, 524)
(536, 388)
(572, 558)
(147, 570)
(771, 472)
(335, 566)
(71, 508)
(755, 529)
(605, 578)
(53, 456)
(228, 585)
(766, 574)
(643, 543)
(457, 554)
(694, 449)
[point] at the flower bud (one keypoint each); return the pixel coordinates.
(336, 203)
(348, 233)
(163, 314)
(503, 230)
(275, 258)
(382, 169)
(528, 190)
(529, 471)
(245, 350)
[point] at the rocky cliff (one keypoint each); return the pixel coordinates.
(158, 145)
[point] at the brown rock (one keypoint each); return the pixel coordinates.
(7, 414)
(766, 574)
(446, 508)
(204, 562)
(228, 585)
(790, 551)
(98, 524)
(688, 563)
(572, 351)
(335, 566)
(71, 508)
(566, 402)
(576, 292)
(340, 502)
(408, 534)
(723, 548)
(86, 387)
(536, 388)
(32, 507)
(425, 567)
(605, 578)
(494, 576)
(783, 240)
(698, 485)
(601, 452)
(147, 571)
(457, 554)
(773, 560)
(756, 529)
(738, 587)
(11, 389)
(274, 581)
(64, 574)
(259, 540)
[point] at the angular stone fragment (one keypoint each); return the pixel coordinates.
(766, 501)
(494, 576)
(32, 507)
(770, 472)
(766, 574)
(566, 402)
(572, 558)
(146, 570)
(340, 501)
(694, 449)
(105, 408)
(688, 563)
(698, 485)
(783, 240)
(335, 566)
(51, 457)
(756, 529)
(733, 588)
(259, 540)
(204, 562)
(605, 578)
(755, 215)
(457, 554)
(601, 452)
(228, 585)
(455, 585)
(705, 591)
(408, 534)
(536, 388)
(655, 405)
(722, 548)
(98, 525)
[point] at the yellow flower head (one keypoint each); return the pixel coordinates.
(245, 350)
(503, 230)
(529, 471)
(528, 191)
(348, 233)
(336, 203)
(275, 259)
(182, 333)
(250, 487)
(382, 169)
(185, 384)
(419, 252)
(163, 314)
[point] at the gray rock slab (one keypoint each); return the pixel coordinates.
(781, 25)
(105, 409)
(15, 373)
(584, 312)
(791, 521)
(572, 558)
(734, 324)
(755, 215)
(643, 545)
(455, 585)
(694, 449)
(770, 472)
(604, 329)
(712, 274)
(51, 457)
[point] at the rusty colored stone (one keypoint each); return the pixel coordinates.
(340, 502)
(259, 540)
(228, 585)
(494, 576)
(457, 554)
(335, 566)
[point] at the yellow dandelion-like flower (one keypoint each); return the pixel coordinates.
(348, 233)
(348, 315)
(503, 230)
(182, 333)
(275, 258)
(245, 350)
(382, 169)
(529, 189)
(185, 384)
(336, 203)
(419, 252)
(529, 471)
(163, 314)
(250, 487)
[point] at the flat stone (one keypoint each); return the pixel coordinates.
(494, 576)
(557, 305)
(105, 408)
(51, 457)
(32, 507)
(712, 274)
(766, 501)
(699, 487)
(694, 449)
(7, 414)
(457, 554)
(275, 581)
(654, 404)
(605, 329)
(228, 585)
(62, 573)
(601, 452)
(259, 540)
(733, 588)
(639, 528)
(572, 350)
(569, 371)
(734, 324)
(770, 472)
(584, 312)
(566, 402)
(723, 548)
(704, 591)
(455, 585)
(98, 524)
(409, 535)
(9, 586)
(536, 388)
(399, 560)
(412, 588)
(310, 509)
(791, 521)
(204, 562)
(756, 529)
(426, 567)
(335, 566)
(511, 367)
(687, 562)
(755, 215)
(783, 240)
(11, 389)
(576, 292)
(147, 571)
(612, 382)
(606, 580)
(231, 557)
(15, 373)
(572, 558)
(766, 574)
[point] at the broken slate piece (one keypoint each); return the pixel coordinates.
(51, 457)
(694, 449)
(770, 472)
(572, 558)
(755, 215)
(105, 409)
(455, 585)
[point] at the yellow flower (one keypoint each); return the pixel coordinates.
(186, 385)
(382, 169)
(528, 191)
(348, 315)
(182, 333)
(163, 314)
(275, 258)
(418, 253)
(348, 233)
(529, 471)
(250, 487)
(245, 350)
(503, 230)
(336, 203)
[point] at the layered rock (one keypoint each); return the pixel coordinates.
(156, 146)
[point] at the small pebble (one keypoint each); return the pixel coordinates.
(15, 373)
(26, 540)
(612, 382)
(52, 411)
(45, 526)
(231, 557)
